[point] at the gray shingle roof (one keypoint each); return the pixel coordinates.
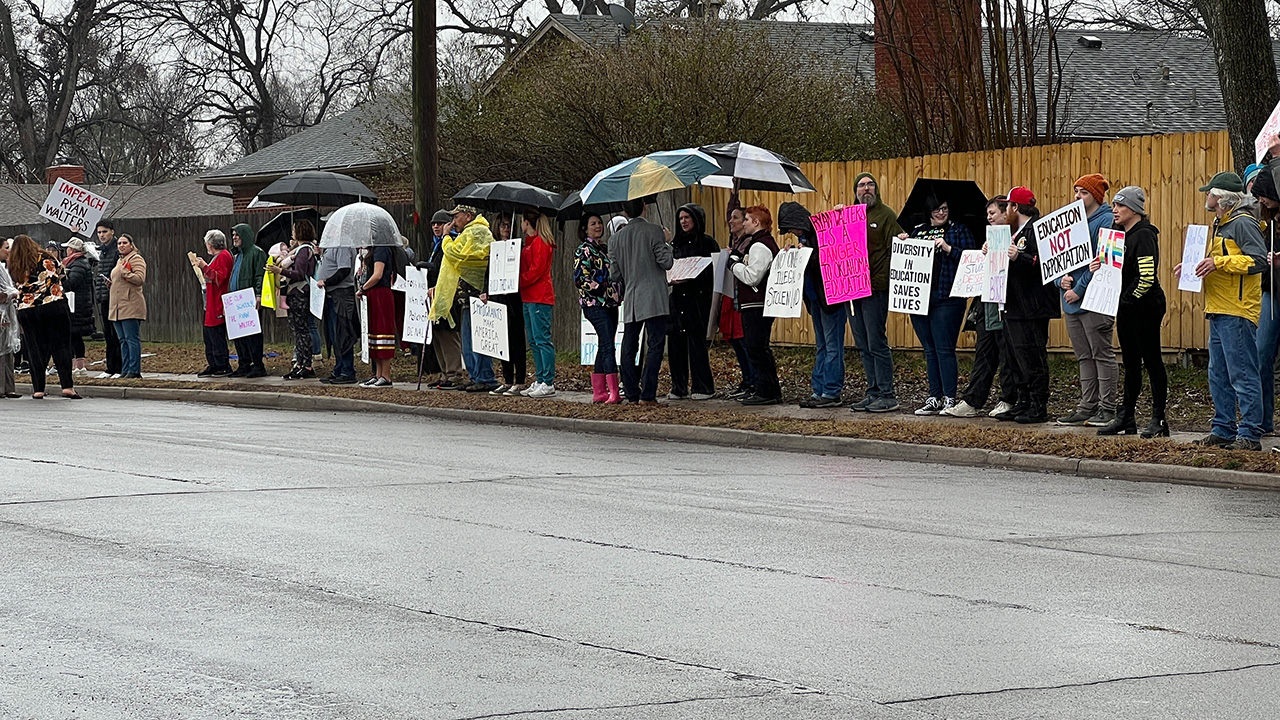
(20, 204)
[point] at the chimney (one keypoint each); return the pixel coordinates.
(72, 173)
(713, 9)
(929, 36)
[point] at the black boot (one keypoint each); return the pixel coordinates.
(1122, 425)
(1034, 414)
(1159, 427)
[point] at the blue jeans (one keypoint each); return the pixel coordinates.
(869, 321)
(1233, 377)
(479, 367)
(316, 347)
(130, 346)
(635, 387)
(828, 338)
(342, 339)
(1268, 342)
(537, 326)
(938, 332)
(605, 321)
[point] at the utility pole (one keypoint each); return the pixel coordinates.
(426, 147)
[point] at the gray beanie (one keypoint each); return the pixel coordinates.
(1133, 198)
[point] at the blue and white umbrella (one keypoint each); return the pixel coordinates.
(649, 175)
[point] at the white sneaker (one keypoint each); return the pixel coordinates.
(117, 376)
(544, 390)
(961, 409)
(1003, 407)
(103, 376)
(533, 386)
(701, 396)
(673, 396)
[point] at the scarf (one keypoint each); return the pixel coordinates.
(465, 258)
(70, 258)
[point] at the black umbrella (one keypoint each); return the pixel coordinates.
(317, 189)
(572, 208)
(963, 198)
(509, 197)
(280, 228)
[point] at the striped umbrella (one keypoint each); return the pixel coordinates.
(755, 169)
(649, 175)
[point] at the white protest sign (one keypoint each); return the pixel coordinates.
(1062, 240)
(489, 329)
(590, 342)
(364, 330)
(1192, 253)
(784, 293)
(1103, 294)
(504, 267)
(1266, 135)
(999, 238)
(241, 310)
(971, 275)
(417, 325)
(317, 299)
(73, 207)
(723, 280)
(910, 274)
(687, 268)
(71, 301)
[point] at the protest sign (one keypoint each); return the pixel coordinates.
(1192, 253)
(241, 310)
(998, 241)
(191, 257)
(1103, 294)
(317, 299)
(722, 280)
(590, 342)
(71, 301)
(1266, 135)
(73, 207)
(364, 330)
(1062, 239)
(784, 293)
(417, 326)
(842, 253)
(687, 268)
(504, 267)
(910, 274)
(489, 329)
(971, 276)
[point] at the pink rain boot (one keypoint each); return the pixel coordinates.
(612, 381)
(599, 391)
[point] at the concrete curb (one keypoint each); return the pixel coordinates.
(724, 437)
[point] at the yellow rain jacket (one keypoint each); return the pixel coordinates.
(1236, 246)
(465, 257)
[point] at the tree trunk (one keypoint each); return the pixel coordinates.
(19, 104)
(1246, 69)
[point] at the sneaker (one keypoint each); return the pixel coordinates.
(221, 372)
(117, 376)
(757, 400)
(883, 405)
(742, 390)
(51, 371)
(947, 404)
(500, 390)
(1244, 444)
(516, 390)
(528, 389)
(1012, 413)
(932, 406)
(961, 409)
(824, 401)
(257, 371)
(545, 390)
(1079, 417)
(381, 383)
(370, 382)
(676, 396)
(810, 402)
(293, 374)
(1102, 418)
(447, 385)
(343, 380)
(1000, 409)
(306, 374)
(482, 387)
(862, 405)
(106, 375)
(701, 396)
(239, 372)
(1212, 440)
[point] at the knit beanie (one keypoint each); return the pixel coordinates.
(1133, 198)
(1095, 185)
(1251, 172)
(1264, 186)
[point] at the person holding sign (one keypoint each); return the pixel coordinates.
(639, 258)
(297, 271)
(1264, 189)
(870, 318)
(247, 272)
(599, 298)
(1236, 254)
(382, 264)
(43, 314)
(515, 373)
(827, 379)
(1142, 308)
(464, 266)
(217, 277)
(691, 310)
(128, 305)
(730, 322)
(539, 298)
(1030, 305)
(750, 267)
(940, 329)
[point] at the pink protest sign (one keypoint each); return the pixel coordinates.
(842, 253)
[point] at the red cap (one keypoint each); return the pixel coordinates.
(1022, 196)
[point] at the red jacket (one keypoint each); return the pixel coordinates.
(217, 275)
(535, 272)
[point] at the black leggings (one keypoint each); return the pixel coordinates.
(1139, 333)
(756, 330)
(77, 346)
(47, 329)
(514, 371)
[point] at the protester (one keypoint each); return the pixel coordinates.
(1029, 306)
(217, 275)
(1141, 310)
(990, 355)
(10, 334)
(1232, 286)
(515, 372)
(246, 274)
(463, 275)
(538, 297)
(639, 258)
(382, 264)
(691, 310)
(107, 257)
(43, 314)
(1091, 332)
(1264, 189)
(730, 322)
(336, 275)
(598, 297)
(827, 379)
(750, 262)
(940, 329)
(445, 342)
(871, 314)
(78, 286)
(297, 272)
(127, 306)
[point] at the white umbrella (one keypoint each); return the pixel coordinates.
(360, 225)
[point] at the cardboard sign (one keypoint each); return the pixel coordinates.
(504, 267)
(999, 238)
(1192, 253)
(1103, 294)
(73, 207)
(842, 253)
(317, 299)
(417, 310)
(687, 268)
(589, 342)
(971, 276)
(241, 310)
(1062, 238)
(489, 329)
(1266, 135)
(784, 293)
(910, 275)
(723, 280)
(364, 330)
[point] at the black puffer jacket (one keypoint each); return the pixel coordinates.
(1027, 298)
(108, 254)
(691, 300)
(79, 280)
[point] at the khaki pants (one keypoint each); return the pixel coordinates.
(447, 345)
(1091, 340)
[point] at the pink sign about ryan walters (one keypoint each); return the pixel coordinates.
(842, 253)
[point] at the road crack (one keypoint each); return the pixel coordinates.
(656, 703)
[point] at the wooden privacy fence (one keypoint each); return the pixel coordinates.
(1169, 168)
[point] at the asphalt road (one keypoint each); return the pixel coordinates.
(163, 560)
